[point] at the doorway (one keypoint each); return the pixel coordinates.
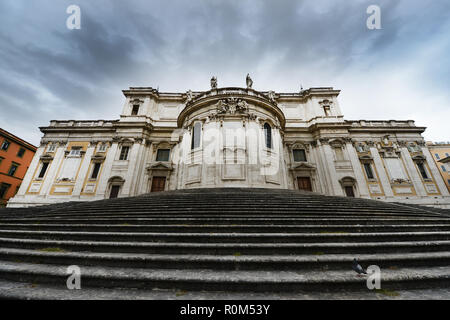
(114, 192)
(158, 184)
(304, 183)
(349, 192)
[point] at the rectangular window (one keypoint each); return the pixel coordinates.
(13, 169)
(5, 145)
(437, 156)
(4, 189)
(447, 155)
(422, 170)
(96, 170)
(135, 110)
(369, 172)
(299, 155)
(51, 148)
(21, 152)
(75, 152)
(163, 155)
(443, 168)
(102, 147)
(448, 181)
(43, 170)
(124, 153)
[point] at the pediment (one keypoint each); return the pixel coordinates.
(47, 156)
(160, 165)
(303, 166)
(366, 157)
(418, 157)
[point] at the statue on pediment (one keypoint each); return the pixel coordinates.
(249, 81)
(213, 83)
(189, 96)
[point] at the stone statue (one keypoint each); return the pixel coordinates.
(271, 95)
(189, 95)
(249, 81)
(213, 83)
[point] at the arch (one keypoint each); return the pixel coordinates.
(116, 179)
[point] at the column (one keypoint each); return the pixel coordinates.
(384, 179)
(29, 174)
(357, 170)
(106, 171)
(435, 172)
(413, 173)
(84, 167)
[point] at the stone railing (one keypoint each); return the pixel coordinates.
(381, 123)
(82, 123)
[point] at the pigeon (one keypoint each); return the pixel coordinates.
(357, 267)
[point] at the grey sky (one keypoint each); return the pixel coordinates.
(49, 72)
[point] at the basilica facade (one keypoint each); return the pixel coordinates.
(232, 137)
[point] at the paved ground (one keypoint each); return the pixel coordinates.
(32, 291)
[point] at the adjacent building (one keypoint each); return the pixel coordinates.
(232, 137)
(15, 157)
(440, 152)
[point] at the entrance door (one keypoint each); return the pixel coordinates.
(158, 184)
(349, 191)
(114, 192)
(304, 183)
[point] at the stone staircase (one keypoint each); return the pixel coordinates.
(232, 240)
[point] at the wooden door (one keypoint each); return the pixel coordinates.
(114, 192)
(158, 184)
(349, 191)
(304, 183)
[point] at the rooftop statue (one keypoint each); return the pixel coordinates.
(213, 83)
(249, 82)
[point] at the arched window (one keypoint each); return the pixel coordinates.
(268, 135)
(196, 132)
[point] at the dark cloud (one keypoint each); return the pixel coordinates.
(50, 72)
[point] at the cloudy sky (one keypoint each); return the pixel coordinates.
(50, 72)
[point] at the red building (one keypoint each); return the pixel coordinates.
(15, 157)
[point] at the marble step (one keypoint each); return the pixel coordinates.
(245, 228)
(224, 280)
(226, 262)
(242, 248)
(227, 219)
(228, 237)
(212, 212)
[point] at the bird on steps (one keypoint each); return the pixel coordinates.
(357, 267)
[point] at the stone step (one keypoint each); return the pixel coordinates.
(246, 228)
(215, 220)
(250, 204)
(242, 248)
(226, 262)
(261, 213)
(13, 290)
(226, 280)
(228, 237)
